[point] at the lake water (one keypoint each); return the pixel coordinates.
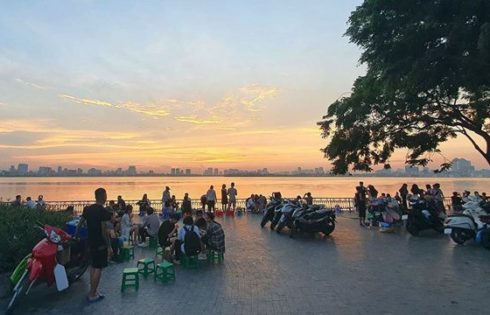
(132, 188)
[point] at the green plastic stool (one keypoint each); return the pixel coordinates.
(127, 252)
(165, 272)
(146, 266)
(153, 243)
(190, 262)
(130, 279)
(215, 256)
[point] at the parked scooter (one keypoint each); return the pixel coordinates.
(286, 213)
(314, 221)
(57, 257)
(270, 210)
(471, 224)
(424, 216)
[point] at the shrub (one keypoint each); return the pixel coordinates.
(19, 234)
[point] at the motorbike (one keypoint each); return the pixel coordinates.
(57, 249)
(270, 210)
(308, 219)
(314, 221)
(424, 216)
(473, 223)
(281, 217)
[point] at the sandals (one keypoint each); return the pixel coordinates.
(99, 297)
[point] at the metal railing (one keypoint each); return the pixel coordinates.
(344, 203)
(78, 205)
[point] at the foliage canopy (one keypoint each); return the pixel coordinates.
(427, 80)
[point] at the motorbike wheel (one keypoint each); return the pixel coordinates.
(17, 293)
(412, 229)
(280, 226)
(485, 241)
(329, 228)
(75, 273)
(460, 236)
(264, 221)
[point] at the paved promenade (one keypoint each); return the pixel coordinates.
(354, 271)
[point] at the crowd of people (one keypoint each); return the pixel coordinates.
(368, 197)
(29, 203)
(109, 227)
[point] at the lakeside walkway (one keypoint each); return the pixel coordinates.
(354, 271)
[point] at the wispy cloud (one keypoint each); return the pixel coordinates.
(30, 84)
(255, 94)
(153, 110)
(197, 121)
(87, 101)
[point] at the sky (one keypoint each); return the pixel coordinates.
(160, 84)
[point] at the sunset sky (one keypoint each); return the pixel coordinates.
(162, 84)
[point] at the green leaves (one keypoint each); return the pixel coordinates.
(428, 79)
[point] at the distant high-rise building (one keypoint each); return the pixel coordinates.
(94, 172)
(132, 170)
(44, 171)
(187, 171)
(177, 171)
(172, 171)
(60, 171)
(411, 170)
(22, 169)
(462, 167)
(216, 172)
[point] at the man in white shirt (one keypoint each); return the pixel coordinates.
(179, 243)
(232, 193)
(30, 204)
(211, 198)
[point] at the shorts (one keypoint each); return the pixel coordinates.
(98, 258)
(362, 212)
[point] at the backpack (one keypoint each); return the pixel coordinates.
(192, 244)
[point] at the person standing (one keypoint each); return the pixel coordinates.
(438, 196)
(121, 204)
(187, 205)
(99, 243)
(232, 193)
(211, 198)
(360, 204)
(224, 198)
(166, 201)
(403, 194)
(308, 198)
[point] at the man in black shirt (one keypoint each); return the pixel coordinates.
(167, 232)
(99, 243)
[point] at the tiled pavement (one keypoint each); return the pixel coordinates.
(354, 271)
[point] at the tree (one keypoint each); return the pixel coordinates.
(427, 80)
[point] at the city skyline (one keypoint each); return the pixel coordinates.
(233, 86)
(460, 167)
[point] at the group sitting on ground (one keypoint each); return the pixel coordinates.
(256, 203)
(193, 238)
